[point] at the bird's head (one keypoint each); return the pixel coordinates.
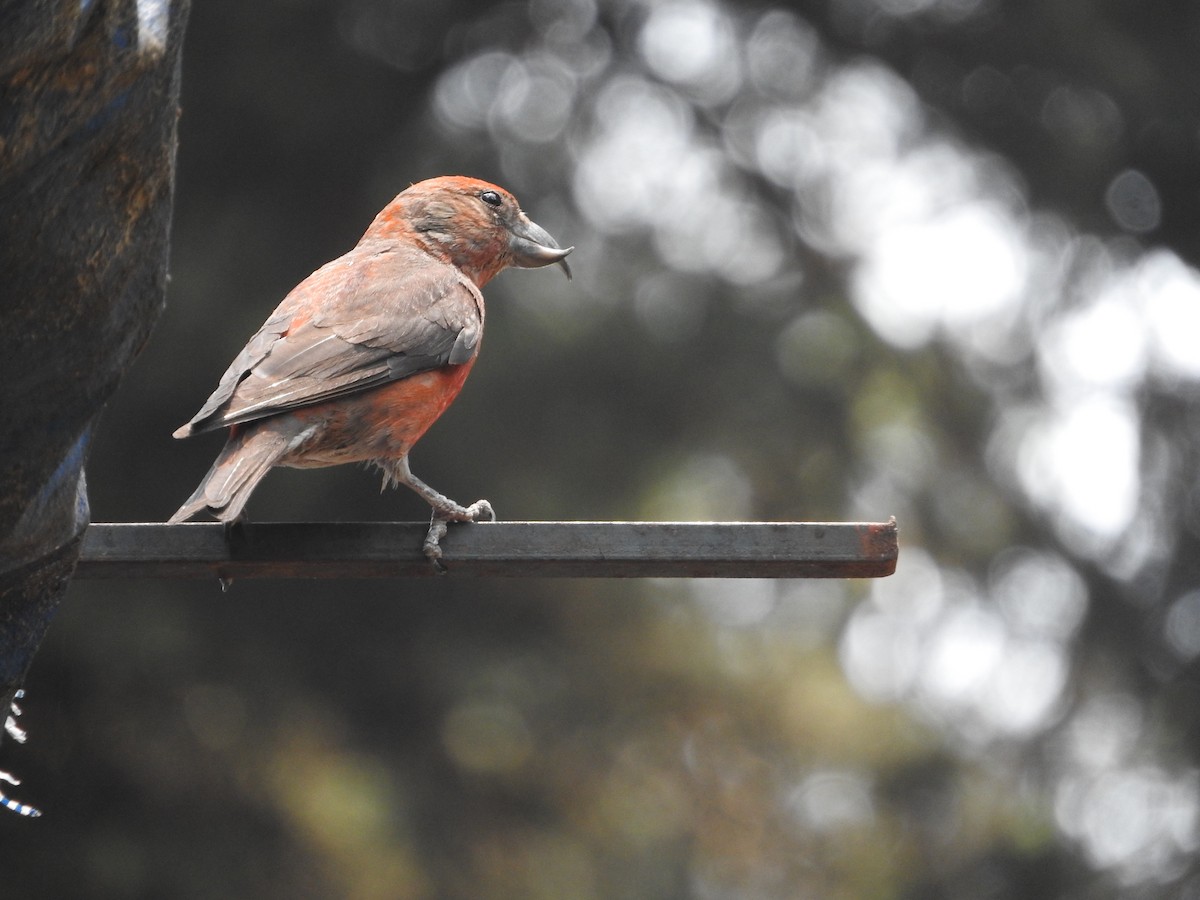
(472, 224)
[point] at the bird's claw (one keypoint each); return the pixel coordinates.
(432, 545)
(479, 511)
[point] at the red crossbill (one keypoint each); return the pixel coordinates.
(364, 355)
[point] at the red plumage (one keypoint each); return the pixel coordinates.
(367, 352)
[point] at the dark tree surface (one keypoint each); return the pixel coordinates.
(88, 105)
(836, 261)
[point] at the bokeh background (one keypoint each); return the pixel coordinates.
(836, 261)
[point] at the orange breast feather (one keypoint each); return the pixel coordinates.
(380, 423)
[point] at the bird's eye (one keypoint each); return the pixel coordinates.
(491, 198)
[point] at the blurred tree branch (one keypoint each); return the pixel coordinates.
(1071, 93)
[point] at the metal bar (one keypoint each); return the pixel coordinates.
(531, 549)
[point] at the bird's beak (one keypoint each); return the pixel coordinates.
(532, 247)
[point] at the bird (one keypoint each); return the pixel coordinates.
(361, 357)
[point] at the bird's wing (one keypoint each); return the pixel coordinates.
(375, 315)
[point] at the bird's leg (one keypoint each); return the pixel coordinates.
(444, 509)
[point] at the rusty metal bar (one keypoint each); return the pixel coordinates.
(531, 549)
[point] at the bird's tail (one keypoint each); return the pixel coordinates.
(247, 456)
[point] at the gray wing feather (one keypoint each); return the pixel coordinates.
(384, 314)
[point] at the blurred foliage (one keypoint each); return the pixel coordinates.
(928, 258)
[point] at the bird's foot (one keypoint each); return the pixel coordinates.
(479, 511)
(432, 546)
